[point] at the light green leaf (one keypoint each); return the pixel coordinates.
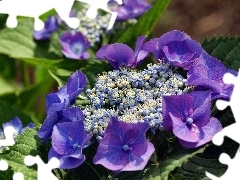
(26, 144)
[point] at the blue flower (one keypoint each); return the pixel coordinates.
(68, 140)
(188, 116)
(51, 25)
(131, 9)
(207, 73)
(120, 54)
(124, 147)
(176, 48)
(74, 45)
(59, 103)
(18, 126)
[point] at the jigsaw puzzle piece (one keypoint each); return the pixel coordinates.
(18, 176)
(233, 166)
(44, 170)
(63, 8)
(103, 5)
(3, 165)
(9, 136)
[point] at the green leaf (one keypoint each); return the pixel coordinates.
(8, 112)
(208, 161)
(226, 49)
(145, 23)
(26, 144)
(7, 68)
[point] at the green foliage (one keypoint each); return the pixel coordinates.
(26, 144)
(8, 112)
(226, 49)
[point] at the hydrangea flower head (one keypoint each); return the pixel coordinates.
(124, 147)
(188, 116)
(74, 45)
(68, 140)
(131, 9)
(51, 25)
(207, 73)
(119, 54)
(176, 48)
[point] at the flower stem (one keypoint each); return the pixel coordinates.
(154, 137)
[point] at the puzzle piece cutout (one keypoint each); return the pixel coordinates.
(231, 131)
(103, 5)
(44, 170)
(3, 165)
(233, 166)
(35, 8)
(9, 136)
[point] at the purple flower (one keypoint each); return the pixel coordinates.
(207, 73)
(131, 9)
(58, 116)
(124, 147)
(74, 45)
(51, 25)
(16, 123)
(122, 55)
(58, 104)
(188, 116)
(176, 48)
(68, 140)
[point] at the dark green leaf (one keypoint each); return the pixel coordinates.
(226, 49)
(8, 112)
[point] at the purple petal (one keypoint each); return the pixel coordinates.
(68, 137)
(71, 114)
(179, 53)
(53, 101)
(201, 106)
(66, 162)
(131, 9)
(76, 84)
(51, 120)
(139, 53)
(206, 134)
(137, 142)
(183, 131)
(180, 106)
(172, 40)
(207, 72)
(74, 45)
(117, 54)
(110, 153)
(51, 25)
(134, 165)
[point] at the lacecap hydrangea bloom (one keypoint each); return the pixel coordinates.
(126, 103)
